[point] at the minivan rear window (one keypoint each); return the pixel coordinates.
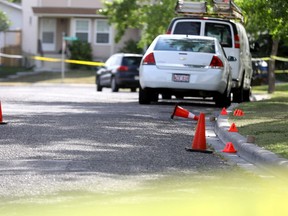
(220, 31)
(188, 28)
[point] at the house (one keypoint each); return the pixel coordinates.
(10, 40)
(46, 22)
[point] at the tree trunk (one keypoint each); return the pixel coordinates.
(271, 72)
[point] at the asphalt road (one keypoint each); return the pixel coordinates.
(70, 138)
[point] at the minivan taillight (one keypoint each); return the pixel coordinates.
(216, 62)
(122, 68)
(236, 41)
(168, 31)
(149, 59)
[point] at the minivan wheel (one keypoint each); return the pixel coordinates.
(238, 95)
(144, 96)
(114, 86)
(246, 95)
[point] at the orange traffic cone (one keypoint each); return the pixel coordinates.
(181, 112)
(199, 141)
(233, 128)
(238, 112)
(224, 111)
(229, 148)
(1, 118)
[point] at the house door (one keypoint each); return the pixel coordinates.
(48, 34)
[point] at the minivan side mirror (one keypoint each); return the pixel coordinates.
(231, 58)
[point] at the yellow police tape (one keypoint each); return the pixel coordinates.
(269, 58)
(39, 58)
(92, 63)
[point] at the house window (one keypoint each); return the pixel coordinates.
(82, 28)
(102, 32)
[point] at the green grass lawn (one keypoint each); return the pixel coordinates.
(267, 120)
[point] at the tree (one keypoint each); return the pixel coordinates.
(15, 1)
(267, 16)
(4, 22)
(152, 16)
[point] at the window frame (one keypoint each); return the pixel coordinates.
(88, 31)
(109, 32)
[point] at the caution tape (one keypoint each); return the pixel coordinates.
(261, 59)
(92, 63)
(84, 62)
(279, 58)
(269, 58)
(41, 58)
(10, 56)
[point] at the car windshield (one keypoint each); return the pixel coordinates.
(185, 44)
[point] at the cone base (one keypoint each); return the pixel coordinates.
(2, 123)
(199, 150)
(229, 152)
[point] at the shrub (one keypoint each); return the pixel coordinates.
(80, 50)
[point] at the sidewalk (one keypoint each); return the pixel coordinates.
(249, 151)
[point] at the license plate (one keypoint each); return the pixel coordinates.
(181, 77)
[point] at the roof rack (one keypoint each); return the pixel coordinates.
(226, 9)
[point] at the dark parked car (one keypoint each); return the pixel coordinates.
(121, 70)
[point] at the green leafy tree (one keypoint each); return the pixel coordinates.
(267, 16)
(152, 16)
(15, 1)
(4, 21)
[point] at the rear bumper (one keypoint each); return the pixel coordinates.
(199, 82)
(128, 81)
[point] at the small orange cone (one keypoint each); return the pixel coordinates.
(1, 118)
(181, 112)
(199, 141)
(233, 128)
(229, 148)
(224, 111)
(238, 112)
(241, 113)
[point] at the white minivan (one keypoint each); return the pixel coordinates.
(233, 38)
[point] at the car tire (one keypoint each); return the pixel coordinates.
(144, 96)
(98, 85)
(223, 100)
(114, 86)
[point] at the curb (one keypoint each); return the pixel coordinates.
(249, 151)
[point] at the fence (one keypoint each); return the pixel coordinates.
(11, 44)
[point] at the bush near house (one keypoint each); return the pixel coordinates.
(80, 50)
(131, 46)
